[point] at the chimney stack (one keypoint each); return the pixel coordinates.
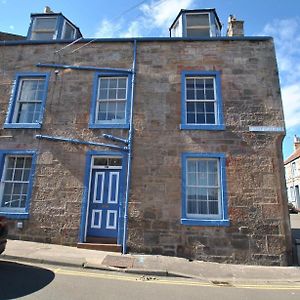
(235, 27)
(47, 10)
(296, 143)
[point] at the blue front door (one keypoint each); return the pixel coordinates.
(103, 203)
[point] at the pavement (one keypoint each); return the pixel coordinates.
(148, 265)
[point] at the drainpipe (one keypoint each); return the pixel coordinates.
(130, 140)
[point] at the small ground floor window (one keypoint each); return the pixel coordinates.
(16, 171)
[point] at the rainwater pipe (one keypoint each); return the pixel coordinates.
(130, 140)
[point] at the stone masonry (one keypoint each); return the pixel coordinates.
(259, 225)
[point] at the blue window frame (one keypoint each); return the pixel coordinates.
(28, 99)
(201, 102)
(17, 169)
(111, 100)
(204, 192)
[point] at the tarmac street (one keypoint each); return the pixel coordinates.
(41, 281)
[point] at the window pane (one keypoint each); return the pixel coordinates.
(191, 179)
(212, 179)
(202, 208)
(200, 118)
(68, 31)
(121, 94)
(210, 119)
(197, 20)
(202, 179)
(210, 94)
(191, 118)
(212, 166)
(112, 83)
(200, 94)
(122, 83)
(190, 83)
(18, 175)
(200, 107)
(199, 32)
(202, 194)
(100, 161)
(104, 83)
(191, 165)
(103, 94)
(190, 94)
(8, 188)
(200, 84)
(42, 36)
(44, 23)
(212, 194)
(202, 165)
(115, 161)
(20, 162)
(210, 107)
(191, 193)
(9, 174)
(190, 107)
(112, 94)
(213, 207)
(192, 207)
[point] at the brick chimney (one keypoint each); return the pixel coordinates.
(235, 27)
(296, 143)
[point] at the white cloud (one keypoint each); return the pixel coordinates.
(162, 13)
(158, 15)
(291, 104)
(286, 33)
(108, 29)
(11, 27)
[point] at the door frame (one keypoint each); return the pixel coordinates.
(86, 192)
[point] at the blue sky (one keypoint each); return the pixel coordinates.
(119, 18)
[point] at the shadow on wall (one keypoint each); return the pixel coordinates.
(18, 280)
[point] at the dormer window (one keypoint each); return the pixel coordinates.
(43, 28)
(52, 26)
(200, 23)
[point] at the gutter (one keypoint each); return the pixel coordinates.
(130, 140)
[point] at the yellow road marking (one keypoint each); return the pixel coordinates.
(175, 282)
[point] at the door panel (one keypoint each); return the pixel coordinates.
(104, 203)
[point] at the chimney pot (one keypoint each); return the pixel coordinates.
(296, 143)
(47, 10)
(235, 27)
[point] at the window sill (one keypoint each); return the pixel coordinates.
(15, 215)
(22, 125)
(122, 126)
(202, 127)
(194, 222)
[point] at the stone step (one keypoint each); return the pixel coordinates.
(100, 247)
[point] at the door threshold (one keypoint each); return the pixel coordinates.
(100, 247)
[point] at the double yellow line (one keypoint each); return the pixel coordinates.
(187, 282)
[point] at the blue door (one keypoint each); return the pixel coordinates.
(103, 203)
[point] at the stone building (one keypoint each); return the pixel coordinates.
(292, 174)
(152, 145)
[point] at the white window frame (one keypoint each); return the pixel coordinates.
(64, 29)
(214, 101)
(198, 26)
(108, 100)
(34, 31)
(4, 181)
(19, 102)
(204, 216)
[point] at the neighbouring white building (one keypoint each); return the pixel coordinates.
(292, 174)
